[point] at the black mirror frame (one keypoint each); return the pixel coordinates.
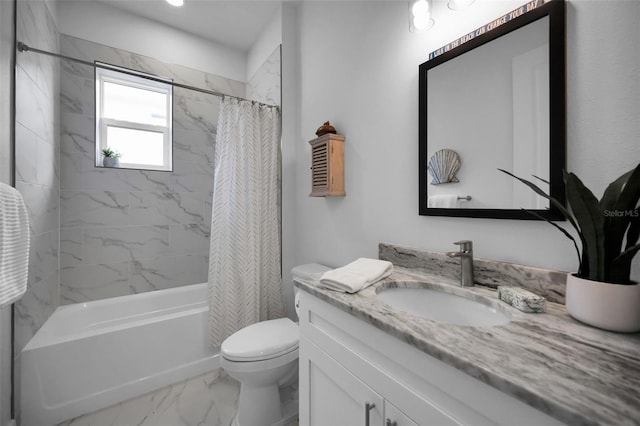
(555, 10)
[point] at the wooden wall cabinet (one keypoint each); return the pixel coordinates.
(327, 166)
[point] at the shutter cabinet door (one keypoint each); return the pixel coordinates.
(327, 166)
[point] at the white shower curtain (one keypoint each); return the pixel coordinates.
(244, 258)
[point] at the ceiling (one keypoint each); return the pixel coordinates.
(234, 23)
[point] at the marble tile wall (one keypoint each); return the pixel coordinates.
(37, 164)
(131, 231)
(265, 84)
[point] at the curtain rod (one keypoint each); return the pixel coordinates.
(22, 47)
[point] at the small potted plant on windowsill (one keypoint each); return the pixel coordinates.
(110, 158)
(602, 293)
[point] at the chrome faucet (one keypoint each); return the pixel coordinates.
(466, 262)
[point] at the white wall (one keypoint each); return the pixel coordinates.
(362, 74)
(103, 24)
(290, 131)
(264, 46)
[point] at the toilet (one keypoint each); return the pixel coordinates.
(263, 357)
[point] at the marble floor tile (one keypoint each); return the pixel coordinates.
(207, 400)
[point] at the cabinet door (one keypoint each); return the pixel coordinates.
(394, 417)
(331, 396)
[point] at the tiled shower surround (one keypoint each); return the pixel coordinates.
(98, 232)
(265, 84)
(36, 164)
(131, 231)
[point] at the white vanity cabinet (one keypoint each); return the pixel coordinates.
(353, 374)
(395, 417)
(337, 397)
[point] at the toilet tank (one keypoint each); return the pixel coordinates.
(309, 271)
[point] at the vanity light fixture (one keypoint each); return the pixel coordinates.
(459, 4)
(420, 16)
(175, 2)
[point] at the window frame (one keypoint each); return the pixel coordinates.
(125, 77)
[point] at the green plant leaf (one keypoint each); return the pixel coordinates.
(612, 192)
(110, 153)
(584, 263)
(586, 210)
(633, 233)
(621, 266)
(542, 180)
(553, 201)
(564, 231)
(619, 200)
(630, 194)
(630, 251)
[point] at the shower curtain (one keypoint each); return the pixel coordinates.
(244, 257)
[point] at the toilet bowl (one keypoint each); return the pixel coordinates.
(263, 357)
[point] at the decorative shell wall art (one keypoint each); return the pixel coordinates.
(443, 166)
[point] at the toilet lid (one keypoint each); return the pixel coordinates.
(261, 341)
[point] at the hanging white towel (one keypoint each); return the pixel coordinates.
(14, 245)
(357, 275)
(444, 201)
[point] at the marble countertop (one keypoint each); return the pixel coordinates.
(575, 373)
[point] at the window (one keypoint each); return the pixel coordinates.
(133, 117)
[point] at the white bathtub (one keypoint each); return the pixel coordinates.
(91, 355)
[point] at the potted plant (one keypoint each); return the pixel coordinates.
(110, 158)
(601, 293)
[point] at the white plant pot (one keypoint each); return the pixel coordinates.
(614, 307)
(111, 161)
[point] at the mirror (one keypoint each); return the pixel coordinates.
(495, 102)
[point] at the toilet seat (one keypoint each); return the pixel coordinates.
(261, 341)
(246, 367)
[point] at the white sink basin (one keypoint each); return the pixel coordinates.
(443, 307)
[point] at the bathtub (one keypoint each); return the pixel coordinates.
(88, 356)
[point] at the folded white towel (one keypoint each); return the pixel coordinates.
(357, 275)
(444, 201)
(14, 245)
(309, 271)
